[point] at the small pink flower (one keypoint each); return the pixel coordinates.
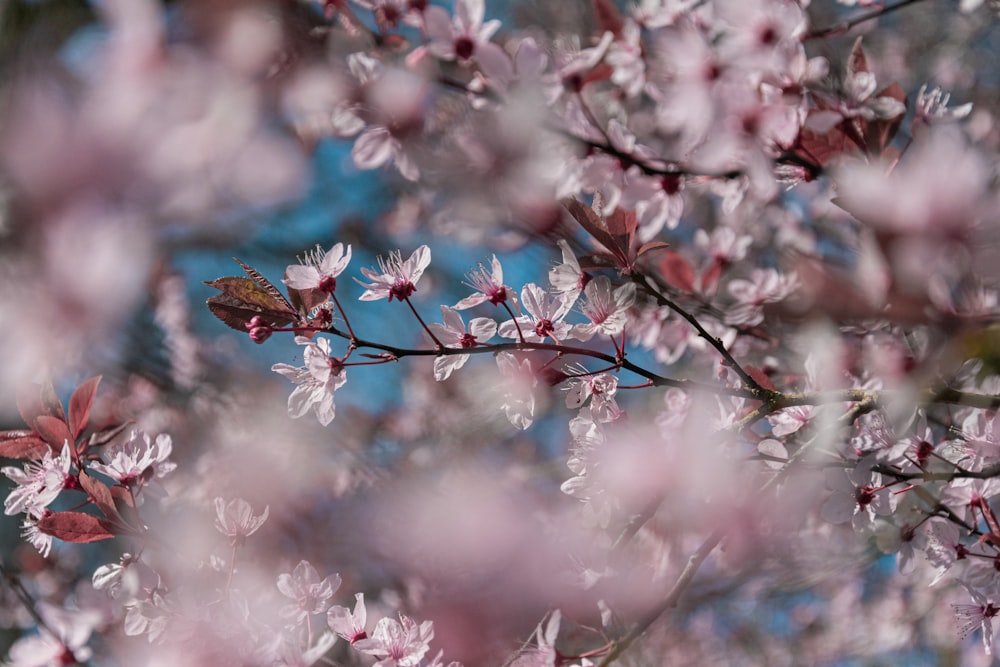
(489, 286)
(400, 643)
(544, 318)
(38, 483)
(236, 520)
(398, 279)
(467, 38)
(607, 310)
(316, 381)
(454, 333)
(319, 269)
(349, 625)
(311, 594)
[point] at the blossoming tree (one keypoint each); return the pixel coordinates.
(673, 341)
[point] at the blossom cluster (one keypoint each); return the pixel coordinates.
(764, 349)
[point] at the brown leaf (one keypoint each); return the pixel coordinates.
(265, 284)
(76, 527)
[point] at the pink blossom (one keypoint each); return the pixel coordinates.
(544, 317)
(349, 625)
(400, 643)
(137, 460)
(311, 594)
(398, 279)
(978, 615)
(489, 286)
(319, 269)
(236, 520)
(315, 382)
(37, 483)
(606, 309)
(454, 333)
(519, 382)
(467, 38)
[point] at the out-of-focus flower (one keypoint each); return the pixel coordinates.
(235, 519)
(311, 594)
(519, 383)
(932, 105)
(467, 38)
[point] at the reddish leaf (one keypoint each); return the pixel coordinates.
(677, 271)
(100, 494)
(80, 404)
(54, 431)
(50, 401)
(856, 62)
(22, 445)
(29, 403)
(609, 19)
(106, 435)
(76, 527)
(236, 314)
(307, 299)
(652, 245)
(878, 133)
(710, 278)
(590, 221)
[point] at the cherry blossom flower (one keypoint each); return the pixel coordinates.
(978, 615)
(544, 653)
(454, 333)
(68, 646)
(38, 483)
(311, 595)
(398, 279)
(319, 269)
(544, 318)
(519, 382)
(489, 286)
(601, 390)
(568, 277)
(467, 38)
(138, 461)
(400, 643)
(857, 496)
(349, 625)
(235, 519)
(932, 106)
(316, 381)
(606, 309)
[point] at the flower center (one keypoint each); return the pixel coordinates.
(402, 290)
(464, 47)
(544, 328)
